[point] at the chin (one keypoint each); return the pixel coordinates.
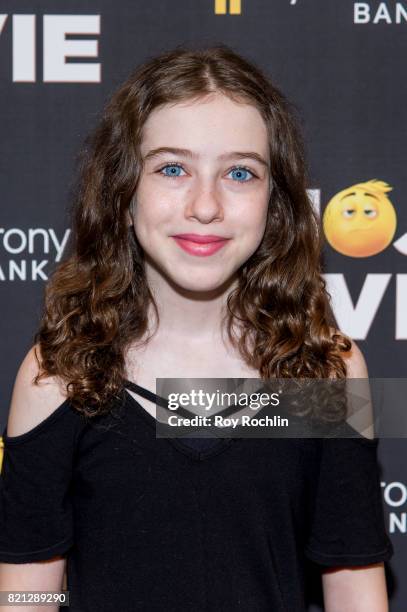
(200, 282)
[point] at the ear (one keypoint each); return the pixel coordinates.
(129, 218)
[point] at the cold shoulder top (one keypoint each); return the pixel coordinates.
(155, 524)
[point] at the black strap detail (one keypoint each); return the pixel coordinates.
(157, 399)
(146, 393)
(160, 401)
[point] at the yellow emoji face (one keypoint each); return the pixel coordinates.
(360, 221)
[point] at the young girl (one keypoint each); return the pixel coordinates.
(196, 254)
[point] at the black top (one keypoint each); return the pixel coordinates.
(155, 524)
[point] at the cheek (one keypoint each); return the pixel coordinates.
(251, 217)
(143, 219)
(149, 212)
(153, 222)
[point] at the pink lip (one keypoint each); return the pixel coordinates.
(201, 238)
(198, 244)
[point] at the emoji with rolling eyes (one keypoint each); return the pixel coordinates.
(360, 220)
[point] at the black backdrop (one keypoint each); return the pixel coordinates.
(341, 63)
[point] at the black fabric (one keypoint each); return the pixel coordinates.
(200, 441)
(153, 524)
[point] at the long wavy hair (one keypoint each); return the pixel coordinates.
(97, 298)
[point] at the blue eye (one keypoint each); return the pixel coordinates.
(240, 171)
(173, 173)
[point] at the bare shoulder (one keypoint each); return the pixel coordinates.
(30, 403)
(354, 360)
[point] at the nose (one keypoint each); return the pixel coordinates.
(204, 203)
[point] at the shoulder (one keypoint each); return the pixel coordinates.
(354, 359)
(30, 403)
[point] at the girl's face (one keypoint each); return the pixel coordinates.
(206, 173)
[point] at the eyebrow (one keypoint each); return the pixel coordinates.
(371, 195)
(187, 153)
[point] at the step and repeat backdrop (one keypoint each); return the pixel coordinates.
(342, 63)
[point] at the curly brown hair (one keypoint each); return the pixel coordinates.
(96, 300)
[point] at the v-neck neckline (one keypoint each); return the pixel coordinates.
(213, 450)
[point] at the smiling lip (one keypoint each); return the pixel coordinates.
(198, 244)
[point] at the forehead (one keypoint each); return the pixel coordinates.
(207, 124)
